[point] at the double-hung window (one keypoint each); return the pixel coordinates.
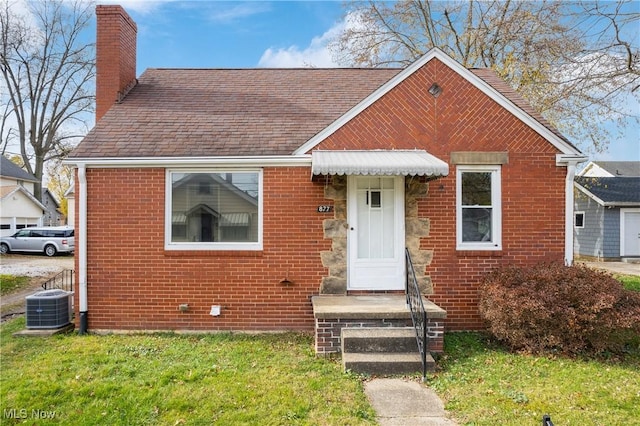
(213, 210)
(478, 208)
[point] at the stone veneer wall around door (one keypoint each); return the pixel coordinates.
(336, 229)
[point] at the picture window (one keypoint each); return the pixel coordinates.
(214, 210)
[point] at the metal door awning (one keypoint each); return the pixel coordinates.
(378, 162)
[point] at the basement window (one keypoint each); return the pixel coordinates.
(213, 210)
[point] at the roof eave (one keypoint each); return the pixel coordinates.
(621, 204)
(589, 193)
(20, 178)
(229, 161)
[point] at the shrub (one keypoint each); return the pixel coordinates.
(557, 308)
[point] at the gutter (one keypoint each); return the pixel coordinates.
(173, 162)
(82, 252)
(570, 161)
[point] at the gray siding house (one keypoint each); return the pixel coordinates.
(52, 215)
(607, 211)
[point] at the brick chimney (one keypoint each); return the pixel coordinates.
(115, 56)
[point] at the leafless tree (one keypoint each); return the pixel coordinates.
(60, 180)
(576, 63)
(47, 66)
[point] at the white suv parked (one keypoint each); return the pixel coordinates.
(48, 240)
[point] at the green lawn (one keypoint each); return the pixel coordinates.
(483, 384)
(275, 379)
(12, 283)
(630, 282)
(167, 379)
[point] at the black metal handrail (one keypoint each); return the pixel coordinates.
(63, 280)
(418, 313)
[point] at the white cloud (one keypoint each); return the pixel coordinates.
(220, 13)
(22, 11)
(316, 54)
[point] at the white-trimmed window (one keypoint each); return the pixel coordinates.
(213, 210)
(579, 220)
(478, 208)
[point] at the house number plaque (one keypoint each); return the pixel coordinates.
(325, 209)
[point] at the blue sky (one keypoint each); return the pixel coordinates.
(215, 34)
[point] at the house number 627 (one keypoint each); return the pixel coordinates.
(325, 209)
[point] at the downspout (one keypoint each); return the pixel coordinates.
(571, 161)
(568, 216)
(82, 252)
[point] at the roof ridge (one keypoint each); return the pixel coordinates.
(277, 68)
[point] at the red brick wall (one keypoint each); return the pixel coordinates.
(115, 55)
(464, 119)
(328, 336)
(133, 283)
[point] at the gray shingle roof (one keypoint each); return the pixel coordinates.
(621, 168)
(9, 169)
(612, 190)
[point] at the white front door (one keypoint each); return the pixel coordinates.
(375, 212)
(629, 232)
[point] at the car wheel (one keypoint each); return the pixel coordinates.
(50, 250)
(4, 248)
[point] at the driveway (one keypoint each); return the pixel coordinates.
(624, 268)
(38, 268)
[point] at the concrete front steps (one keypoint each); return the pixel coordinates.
(382, 351)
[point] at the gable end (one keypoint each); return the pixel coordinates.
(563, 146)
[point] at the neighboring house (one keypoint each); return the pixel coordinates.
(226, 199)
(18, 207)
(71, 205)
(611, 169)
(607, 211)
(52, 215)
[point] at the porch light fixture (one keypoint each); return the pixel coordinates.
(435, 90)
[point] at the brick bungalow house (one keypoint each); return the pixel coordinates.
(226, 199)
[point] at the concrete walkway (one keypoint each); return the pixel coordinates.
(627, 268)
(400, 402)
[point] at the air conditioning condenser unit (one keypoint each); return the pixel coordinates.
(49, 309)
